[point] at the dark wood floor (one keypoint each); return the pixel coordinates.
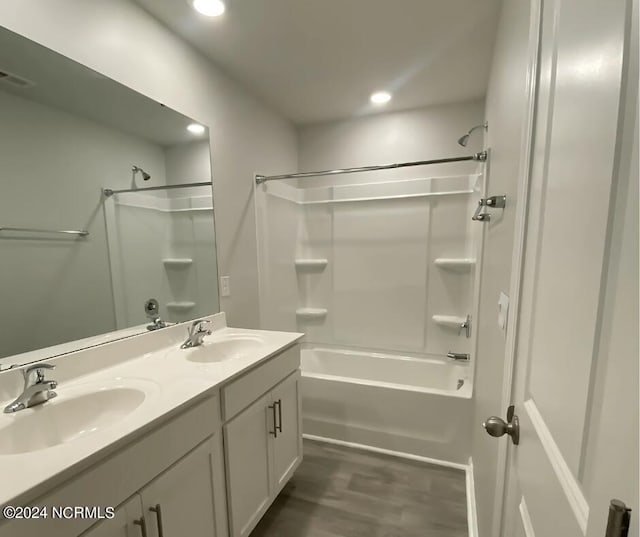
(343, 492)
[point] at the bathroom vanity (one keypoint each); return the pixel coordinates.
(195, 441)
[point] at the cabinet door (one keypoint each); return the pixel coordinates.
(122, 525)
(247, 438)
(287, 445)
(181, 500)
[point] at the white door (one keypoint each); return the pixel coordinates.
(287, 445)
(247, 453)
(561, 356)
(128, 522)
(181, 500)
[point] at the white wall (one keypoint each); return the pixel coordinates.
(618, 446)
(131, 47)
(53, 168)
(505, 112)
(188, 163)
(421, 134)
(616, 374)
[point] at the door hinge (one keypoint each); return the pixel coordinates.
(619, 518)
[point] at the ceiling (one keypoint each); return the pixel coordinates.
(319, 60)
(64, 84)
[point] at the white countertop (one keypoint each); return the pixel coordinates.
(153, 359)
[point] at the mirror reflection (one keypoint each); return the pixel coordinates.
(106, 203)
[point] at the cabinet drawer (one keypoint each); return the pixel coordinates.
(109, 482)
(252, 385)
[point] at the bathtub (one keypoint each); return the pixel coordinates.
(414, 405)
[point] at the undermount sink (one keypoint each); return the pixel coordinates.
(217, 348)
(78, 411)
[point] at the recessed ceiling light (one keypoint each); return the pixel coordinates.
(209, 8)
(380, 97)
(196, 128)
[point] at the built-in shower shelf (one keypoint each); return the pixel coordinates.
(449, 321)
(311, 264)
(463, 264)
(181, 306)
(177, 262)
(311, 313)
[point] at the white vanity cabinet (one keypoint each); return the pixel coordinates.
(182, 499)
(287, 445)
(210, 467)
(263, 441)
(178, 501)
(178, 465)
(122, 524)
(247, 459)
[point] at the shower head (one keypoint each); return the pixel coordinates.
(145, 176)
(464, 139)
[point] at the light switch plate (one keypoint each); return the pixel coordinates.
(503, 311)
(225, 286)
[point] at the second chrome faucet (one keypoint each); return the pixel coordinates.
(197, 332)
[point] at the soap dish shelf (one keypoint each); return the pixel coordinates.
(311, 313)
(449, 321)
(463, 264)
(177, 262)
(453, 322)
(311, 264)
(181, 306)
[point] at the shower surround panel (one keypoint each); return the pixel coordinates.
(358, 264)
(162, 247)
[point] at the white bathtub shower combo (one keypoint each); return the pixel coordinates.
(411, 405)
(381, 275)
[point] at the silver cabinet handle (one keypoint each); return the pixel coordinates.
(158, 511)
(143, 525)
(275, 427)
(279, 403)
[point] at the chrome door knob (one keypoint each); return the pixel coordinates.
(497, 427)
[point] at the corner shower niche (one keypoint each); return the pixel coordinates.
(162, 246)
(383, 266)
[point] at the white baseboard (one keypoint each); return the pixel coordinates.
(472, 513)
(393, 453)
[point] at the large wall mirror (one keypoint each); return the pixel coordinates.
(77, 264)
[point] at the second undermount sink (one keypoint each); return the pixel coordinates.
(224, 347)
(79, 410)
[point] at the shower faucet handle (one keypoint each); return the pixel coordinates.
(480, 217)
(493, 202)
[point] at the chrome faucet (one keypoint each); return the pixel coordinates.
(36, 391)
(196, 334)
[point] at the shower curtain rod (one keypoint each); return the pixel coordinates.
(479, 157)
(108, 192)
